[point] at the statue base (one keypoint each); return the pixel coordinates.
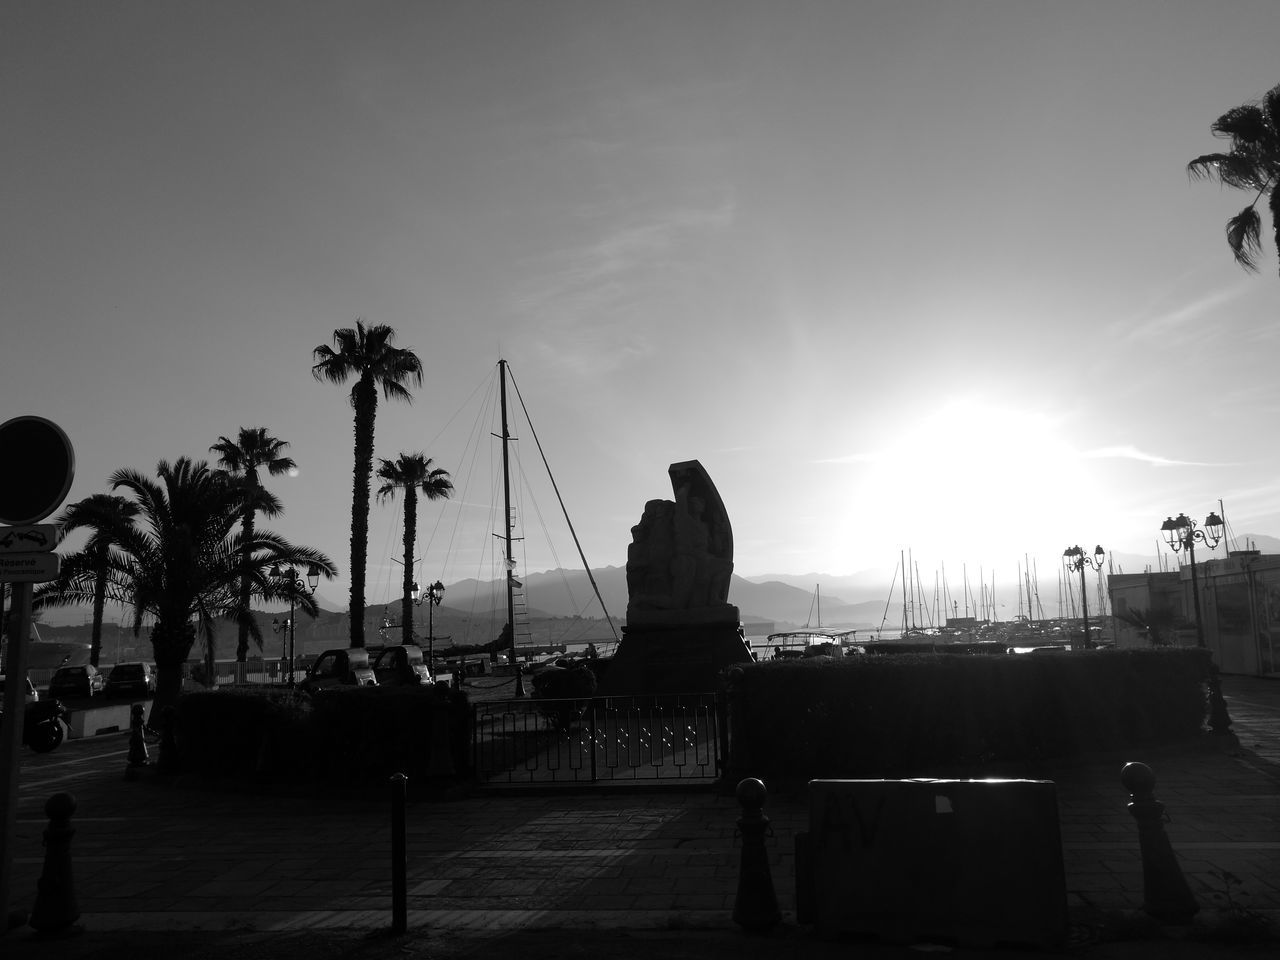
(674, 658)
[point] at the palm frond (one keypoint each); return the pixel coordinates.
(1244, 125)
(1244, 235)
(1273, 203)
(397, 391)
(1232, 169)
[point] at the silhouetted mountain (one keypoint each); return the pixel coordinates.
(473, 608)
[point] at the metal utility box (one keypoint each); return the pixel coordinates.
(974, 862)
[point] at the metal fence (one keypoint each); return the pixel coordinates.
(533, 742)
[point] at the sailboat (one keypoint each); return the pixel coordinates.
(514, 640)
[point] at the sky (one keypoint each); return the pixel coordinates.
(901, 275)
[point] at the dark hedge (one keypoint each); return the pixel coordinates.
(937, 714)
(355, 735)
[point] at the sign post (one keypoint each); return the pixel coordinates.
(28, 494)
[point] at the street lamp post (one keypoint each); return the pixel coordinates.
(1076, 560)
(1181, 533)
(433, 596)
(282, 627)
(295, 585)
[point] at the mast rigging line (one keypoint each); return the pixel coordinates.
(563, 509)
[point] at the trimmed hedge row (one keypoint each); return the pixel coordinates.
(936, 714)
(354, 735)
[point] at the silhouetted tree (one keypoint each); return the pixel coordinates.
(366, 354)
(411, 472)
(252, 448)
(180, 563)
(105, 515)
(1252, 163)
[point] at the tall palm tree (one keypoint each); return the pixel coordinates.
(366, 354)
(411, 472)
(1252, 163)
(180, 564)
(105, 515)
(252, 448)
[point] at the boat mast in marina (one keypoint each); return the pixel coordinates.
(510, 562)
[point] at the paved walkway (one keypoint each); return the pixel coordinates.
(243, 874)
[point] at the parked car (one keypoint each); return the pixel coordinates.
(79, 681)
(339, 668)
(401, 665)
(33, 695)
(131, 679)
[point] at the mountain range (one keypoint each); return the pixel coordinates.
(865, 600)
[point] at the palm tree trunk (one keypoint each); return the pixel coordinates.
(99, 604)
(242, 621)
(410, 533)
(169, 648)
(365, 395)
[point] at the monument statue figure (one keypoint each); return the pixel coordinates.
(680, 560)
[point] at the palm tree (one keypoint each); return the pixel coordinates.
(1253, 163)
(365, 353)
(105, 515)
(1157, 626)
(413, 473)
(252, 448)
(181, 564)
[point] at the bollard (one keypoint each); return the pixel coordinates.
(399, 855)
(55, 908)
(137, 758)
(1165, 894)
(520, 691)
(1219, 718)
(756, 906)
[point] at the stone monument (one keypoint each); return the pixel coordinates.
(681, 630)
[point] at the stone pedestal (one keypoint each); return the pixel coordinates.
(657, 658)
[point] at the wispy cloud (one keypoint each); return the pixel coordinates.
(1182, 323)
(1128, 452)
(588, 301)
(852, 458)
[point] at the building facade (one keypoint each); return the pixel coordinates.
(1239, 609)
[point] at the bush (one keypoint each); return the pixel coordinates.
(570, 688)
(242, 733)
(919, 714)
(352, 735)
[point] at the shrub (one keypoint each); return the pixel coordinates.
(241, 733)
(918, 714)
(350, 735)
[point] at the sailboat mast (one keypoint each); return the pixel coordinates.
(506, 504)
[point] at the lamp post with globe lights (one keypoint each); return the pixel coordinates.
(1076, 560)
(433, 596)
(294, 584)
(1182, 533)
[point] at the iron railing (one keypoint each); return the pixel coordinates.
(537, 742)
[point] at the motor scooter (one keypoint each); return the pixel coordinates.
(44, 724)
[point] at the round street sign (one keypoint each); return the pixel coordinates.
(37, 466)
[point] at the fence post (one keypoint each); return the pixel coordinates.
(591, 729)
(399, 856)
(1165, 894)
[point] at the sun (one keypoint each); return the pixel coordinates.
(972, 478)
